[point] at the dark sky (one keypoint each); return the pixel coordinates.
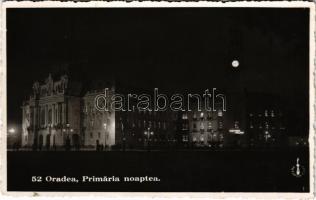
(173, 49)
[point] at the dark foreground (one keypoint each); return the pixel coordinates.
(178, 171)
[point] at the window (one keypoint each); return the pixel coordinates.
(50, 116)
(272, 113)
(266, 113)
(220, 113)
(184, 126)
(220, 125)
(266, 125)
(251, 125)
(56, 115)
(202, 115)
(194, 116)
(209, 125)
(91, 135)
(209, 115)
(236, 125)
(43, 117)
(194, 125)
(99, 135)
(202, 126)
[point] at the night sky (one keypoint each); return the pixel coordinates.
(173, 49)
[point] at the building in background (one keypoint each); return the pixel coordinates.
(203, 128)
(267, 124)
(61, 114)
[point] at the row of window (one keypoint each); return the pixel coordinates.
(266, 113)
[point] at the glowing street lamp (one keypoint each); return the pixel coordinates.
(148, 133)
(11, 130)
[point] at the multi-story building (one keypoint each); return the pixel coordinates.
(137, 129)
(98, 127)
(266, 122)
(60, 113)
(51, 116)
(205, 128)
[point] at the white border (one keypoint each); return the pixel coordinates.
(119, 4)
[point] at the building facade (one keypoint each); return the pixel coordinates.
(51, 115)
(98, 127)
(60, 114)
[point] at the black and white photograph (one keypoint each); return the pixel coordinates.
(167, 97)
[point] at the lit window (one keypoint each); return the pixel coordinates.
(194, 115)
(202, 115)
(220, 113)
(266, 113)
(272, 113)
(210, 125)
(202, 139)
(209, 115)
(202, 126)
(236, 125)
(184, 126)
(220, 125)
(266, 125)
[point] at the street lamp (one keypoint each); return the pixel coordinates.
(148, 133)
(67, 128)
(67, 137)
(266, 135)
(11, 130)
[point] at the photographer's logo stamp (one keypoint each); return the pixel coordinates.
(298, 170)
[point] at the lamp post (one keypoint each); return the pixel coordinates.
(148, 133)
(67, 136)
(12, 138)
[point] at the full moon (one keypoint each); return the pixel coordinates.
(235, 63)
